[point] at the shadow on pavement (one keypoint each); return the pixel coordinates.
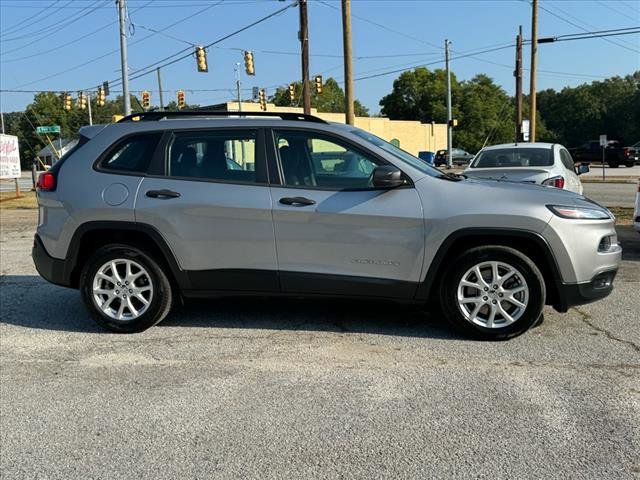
(29, 301)
(630, 241)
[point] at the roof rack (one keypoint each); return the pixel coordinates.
(157, 115)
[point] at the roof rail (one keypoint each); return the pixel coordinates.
(157, 115)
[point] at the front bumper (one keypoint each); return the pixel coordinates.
(571, 294)
(52, 269)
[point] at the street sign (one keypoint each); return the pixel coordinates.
(48, 129)
(603, 140)
(255, 93)
(525, 130)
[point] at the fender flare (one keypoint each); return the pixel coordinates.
(425, 287)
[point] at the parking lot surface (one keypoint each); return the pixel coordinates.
(311, 389)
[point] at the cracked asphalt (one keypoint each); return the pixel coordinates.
(311, 389)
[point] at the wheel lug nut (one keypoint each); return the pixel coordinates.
(494, 302)
(130, 291)
(117, 292)
(500, 295)
(495, 286)
(485, 298)
(486, 289)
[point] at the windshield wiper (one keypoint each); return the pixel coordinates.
(452, 177)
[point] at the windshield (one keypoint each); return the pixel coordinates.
(514, 157)
(400, 154)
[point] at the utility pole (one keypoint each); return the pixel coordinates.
(449, 115)
(2, 120)
(518, 74)
(122, 9)
(348, 73)
(160, 89)
(237, 70)
(89, 107)
(304, 44)
(534, 68)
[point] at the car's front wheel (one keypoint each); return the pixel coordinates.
(493, 293)
(125, 290)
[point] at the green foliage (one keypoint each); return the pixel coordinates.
(579, 114)
(330, 100)
(484, 110)
(46, 109)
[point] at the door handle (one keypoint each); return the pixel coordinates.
(297, 201)
(162, 194)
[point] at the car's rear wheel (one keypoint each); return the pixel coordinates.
(493, 293)
(613, 163)
(125, 290)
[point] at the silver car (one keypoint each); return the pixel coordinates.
(148, 211)
(547, 164)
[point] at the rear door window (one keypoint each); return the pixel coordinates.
(566, 159)
(223, 155)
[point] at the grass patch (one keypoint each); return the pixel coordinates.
(624, 215)
(27, 201)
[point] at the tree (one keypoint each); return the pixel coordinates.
(421, 94)
(484, 111)
(331, 100)
(575, 115)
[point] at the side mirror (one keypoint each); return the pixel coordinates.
(582, 168)
(387, 176)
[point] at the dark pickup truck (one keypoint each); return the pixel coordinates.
(615, 154)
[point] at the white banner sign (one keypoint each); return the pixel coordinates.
(9, 157)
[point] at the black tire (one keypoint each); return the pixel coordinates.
(161, 300)
(613, 163)
(629, 164)
(474, 256)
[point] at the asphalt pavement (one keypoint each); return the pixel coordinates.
(611, 194)
(307, 389)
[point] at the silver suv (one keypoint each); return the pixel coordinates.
(161, 206)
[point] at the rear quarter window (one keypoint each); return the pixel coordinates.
(132, 154)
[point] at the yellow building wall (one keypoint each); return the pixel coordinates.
(414, 136)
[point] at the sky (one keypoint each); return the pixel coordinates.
(69, 45)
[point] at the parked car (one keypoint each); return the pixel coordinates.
(615, 154)
(634, 152)
(547, 164)
(460, 157)
(121, 220)
(636, 211)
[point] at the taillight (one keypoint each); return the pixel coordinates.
(625, 152)
(46, 182)
(557, 182)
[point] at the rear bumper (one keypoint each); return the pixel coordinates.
(52, 269)
(571, 294)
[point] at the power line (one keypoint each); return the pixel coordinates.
(31, 18)
(55, 30)
(170, 60)
(613, 9)
(581, 27)
(111, 52)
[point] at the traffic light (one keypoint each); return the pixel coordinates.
(249, 67)
(181, 102)
(292, 92)
(318, 81)
(66, 102)
(82, 101)
(262, 96)
(105, 88)
(100, 97)
(146, 99)
(201, 59)
(453, 122)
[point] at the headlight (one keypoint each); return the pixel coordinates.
(580, 213)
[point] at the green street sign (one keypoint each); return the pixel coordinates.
(49, 129)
